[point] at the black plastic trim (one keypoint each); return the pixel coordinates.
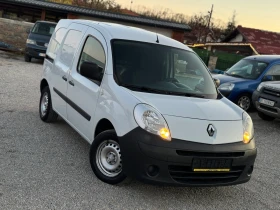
(49, 59)
(73, 105)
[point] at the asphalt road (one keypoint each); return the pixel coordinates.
(46, 166)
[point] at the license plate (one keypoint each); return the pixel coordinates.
(266, 102)
(211, 165)
(42, 54)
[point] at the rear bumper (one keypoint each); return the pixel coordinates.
(35, 51)
(148, 158)
(268, 110)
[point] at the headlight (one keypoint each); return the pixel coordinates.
(260, 87)
(226, 86)
(30, 41)
(248, 128)
(152, 121)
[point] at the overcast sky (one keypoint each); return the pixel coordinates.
(261, 14)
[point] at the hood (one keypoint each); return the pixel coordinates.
(226, 78)
(196, 108)
(272, 85)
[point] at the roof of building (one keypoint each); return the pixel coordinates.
(264, 42)
(99, 14)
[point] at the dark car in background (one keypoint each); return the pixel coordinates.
(241, 80)
(267, 99)
(38, 40)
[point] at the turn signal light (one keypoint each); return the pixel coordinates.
(165, 134)
(246, 138)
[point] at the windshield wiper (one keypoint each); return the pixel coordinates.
(166, 92)
(236, 75)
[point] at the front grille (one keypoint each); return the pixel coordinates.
(272, 92)
(40, 51)
(185, 175)
(41, 44)
(209, 154)
(268, 109)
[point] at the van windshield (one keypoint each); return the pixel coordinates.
(247, 69)
(43, 29)
(155, 68)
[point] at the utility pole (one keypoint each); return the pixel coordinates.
(209, 21)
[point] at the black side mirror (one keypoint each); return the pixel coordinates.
(91, 71)
(28, 30)
(267, 78)
(217, 82)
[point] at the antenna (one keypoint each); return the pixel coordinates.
(157, 41)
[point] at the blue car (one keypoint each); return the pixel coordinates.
(240, 81)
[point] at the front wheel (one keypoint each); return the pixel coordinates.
(27, 58)
(265, 117)
(244, 102)
(106, 159)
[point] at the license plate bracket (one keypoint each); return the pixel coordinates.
(211, 164)
(266, 102)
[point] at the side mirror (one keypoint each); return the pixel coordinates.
(217, 82)
(91, 71)
(267, 78)
(28, 30)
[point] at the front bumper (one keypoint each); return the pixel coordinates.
(268, 110)
(148, 158)
(35, 51)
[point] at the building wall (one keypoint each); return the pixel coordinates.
(238, 38)
(163, 31)
(14, 32)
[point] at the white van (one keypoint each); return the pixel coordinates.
(119, 88)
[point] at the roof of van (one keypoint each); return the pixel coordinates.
(265, 58)
(42, 21)
(118, 31)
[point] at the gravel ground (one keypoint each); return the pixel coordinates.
(46, 166)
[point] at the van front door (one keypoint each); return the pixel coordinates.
(83, 92)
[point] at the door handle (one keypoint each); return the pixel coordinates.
(64, 78)
(71, 83)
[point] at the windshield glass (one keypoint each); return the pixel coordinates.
(43, 29)
(161, 69)
(247, 69)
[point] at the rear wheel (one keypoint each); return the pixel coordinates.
(265, 117)
(27, 58)
(47, 114)
(105, 158)
(245, 102)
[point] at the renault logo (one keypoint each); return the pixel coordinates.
(211, 130)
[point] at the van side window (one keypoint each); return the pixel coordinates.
(70, 46)
(93, 52)
(56, 42)
(275, 72)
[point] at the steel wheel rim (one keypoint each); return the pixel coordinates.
(44, 104)
(108, 158)
(244, 102)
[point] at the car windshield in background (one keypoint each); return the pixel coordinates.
(247, 69)
(161, 69)
(44, 29)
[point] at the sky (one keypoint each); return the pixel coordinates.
(260, 14)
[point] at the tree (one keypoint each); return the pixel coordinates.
(231, 25)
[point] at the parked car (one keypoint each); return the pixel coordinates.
(241, 80)
(117, 87)
(38, 40)
(267, 100)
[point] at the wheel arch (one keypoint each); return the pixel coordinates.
(44, 83)
(103, 125)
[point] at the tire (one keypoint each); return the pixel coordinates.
(47, 114)
(265, 117)
(27, 58)
(244, 102)
(105, 158)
